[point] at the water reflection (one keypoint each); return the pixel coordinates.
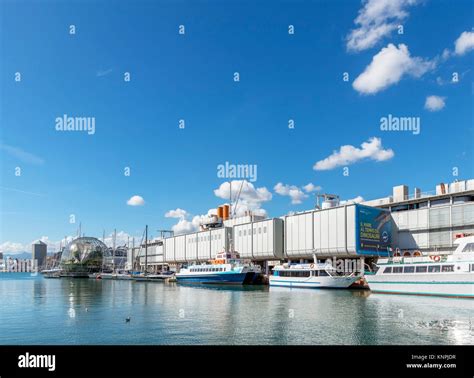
(86, 311)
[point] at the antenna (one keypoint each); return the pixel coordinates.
(238, 198)
(230, 198)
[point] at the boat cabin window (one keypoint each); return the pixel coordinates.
(472, 267)
(434, 268)
(409, 269)
(397, 269)
(447, 268)
(469, 247)
(323, 273)
(294, 273)
(421, 269)
(388, 269)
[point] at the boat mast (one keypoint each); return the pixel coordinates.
(113, 251)
(146, 248)
(230, 199)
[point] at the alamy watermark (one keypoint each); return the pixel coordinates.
(394, 123)
(237, 171)
(345, 265)
(67, 123)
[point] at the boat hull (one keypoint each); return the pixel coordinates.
(452, 285)
(314, 282)
(153, 277)
(223, 278)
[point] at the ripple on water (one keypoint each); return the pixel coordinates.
(85, 311)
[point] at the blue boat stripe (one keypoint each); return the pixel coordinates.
(423, 282)
(423, 293)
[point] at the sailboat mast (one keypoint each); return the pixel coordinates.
(113, 251)
(146, 248)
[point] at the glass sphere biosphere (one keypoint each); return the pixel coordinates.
(84, 253)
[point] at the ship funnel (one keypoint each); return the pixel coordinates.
(220, 212)
(226, 212)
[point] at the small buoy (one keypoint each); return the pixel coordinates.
(87, 309)
(127, 319)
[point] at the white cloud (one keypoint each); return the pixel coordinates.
(251, 198)
(296, 194)
(122, 239)
(464, 43)
(13, 248)
(347, 154)
(185, 226)
(357, 199)
(136, 201)
(434, 103)
(101, 73)
(310, 187)
(178, 213)
(446, 54)
(376, 20)
(388, 67)
(22, 155)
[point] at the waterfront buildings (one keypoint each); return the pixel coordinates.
(370, 229)
(430, 220)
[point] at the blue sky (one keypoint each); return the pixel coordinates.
(282, 76)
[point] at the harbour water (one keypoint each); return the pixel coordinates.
(35, 310)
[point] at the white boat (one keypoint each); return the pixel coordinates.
(226, 268)
(311, 276)
(153, 276)
(449, 275)
(52, 273)
(117, 275)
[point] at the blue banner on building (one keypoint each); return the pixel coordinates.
(374, 230)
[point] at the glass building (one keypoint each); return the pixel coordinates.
(84, 255)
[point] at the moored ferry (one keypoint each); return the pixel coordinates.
(226, 268)
(311, 276)
(439, 275)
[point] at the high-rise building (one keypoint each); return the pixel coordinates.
(39, 251)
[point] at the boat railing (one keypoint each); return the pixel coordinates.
(411, 259)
